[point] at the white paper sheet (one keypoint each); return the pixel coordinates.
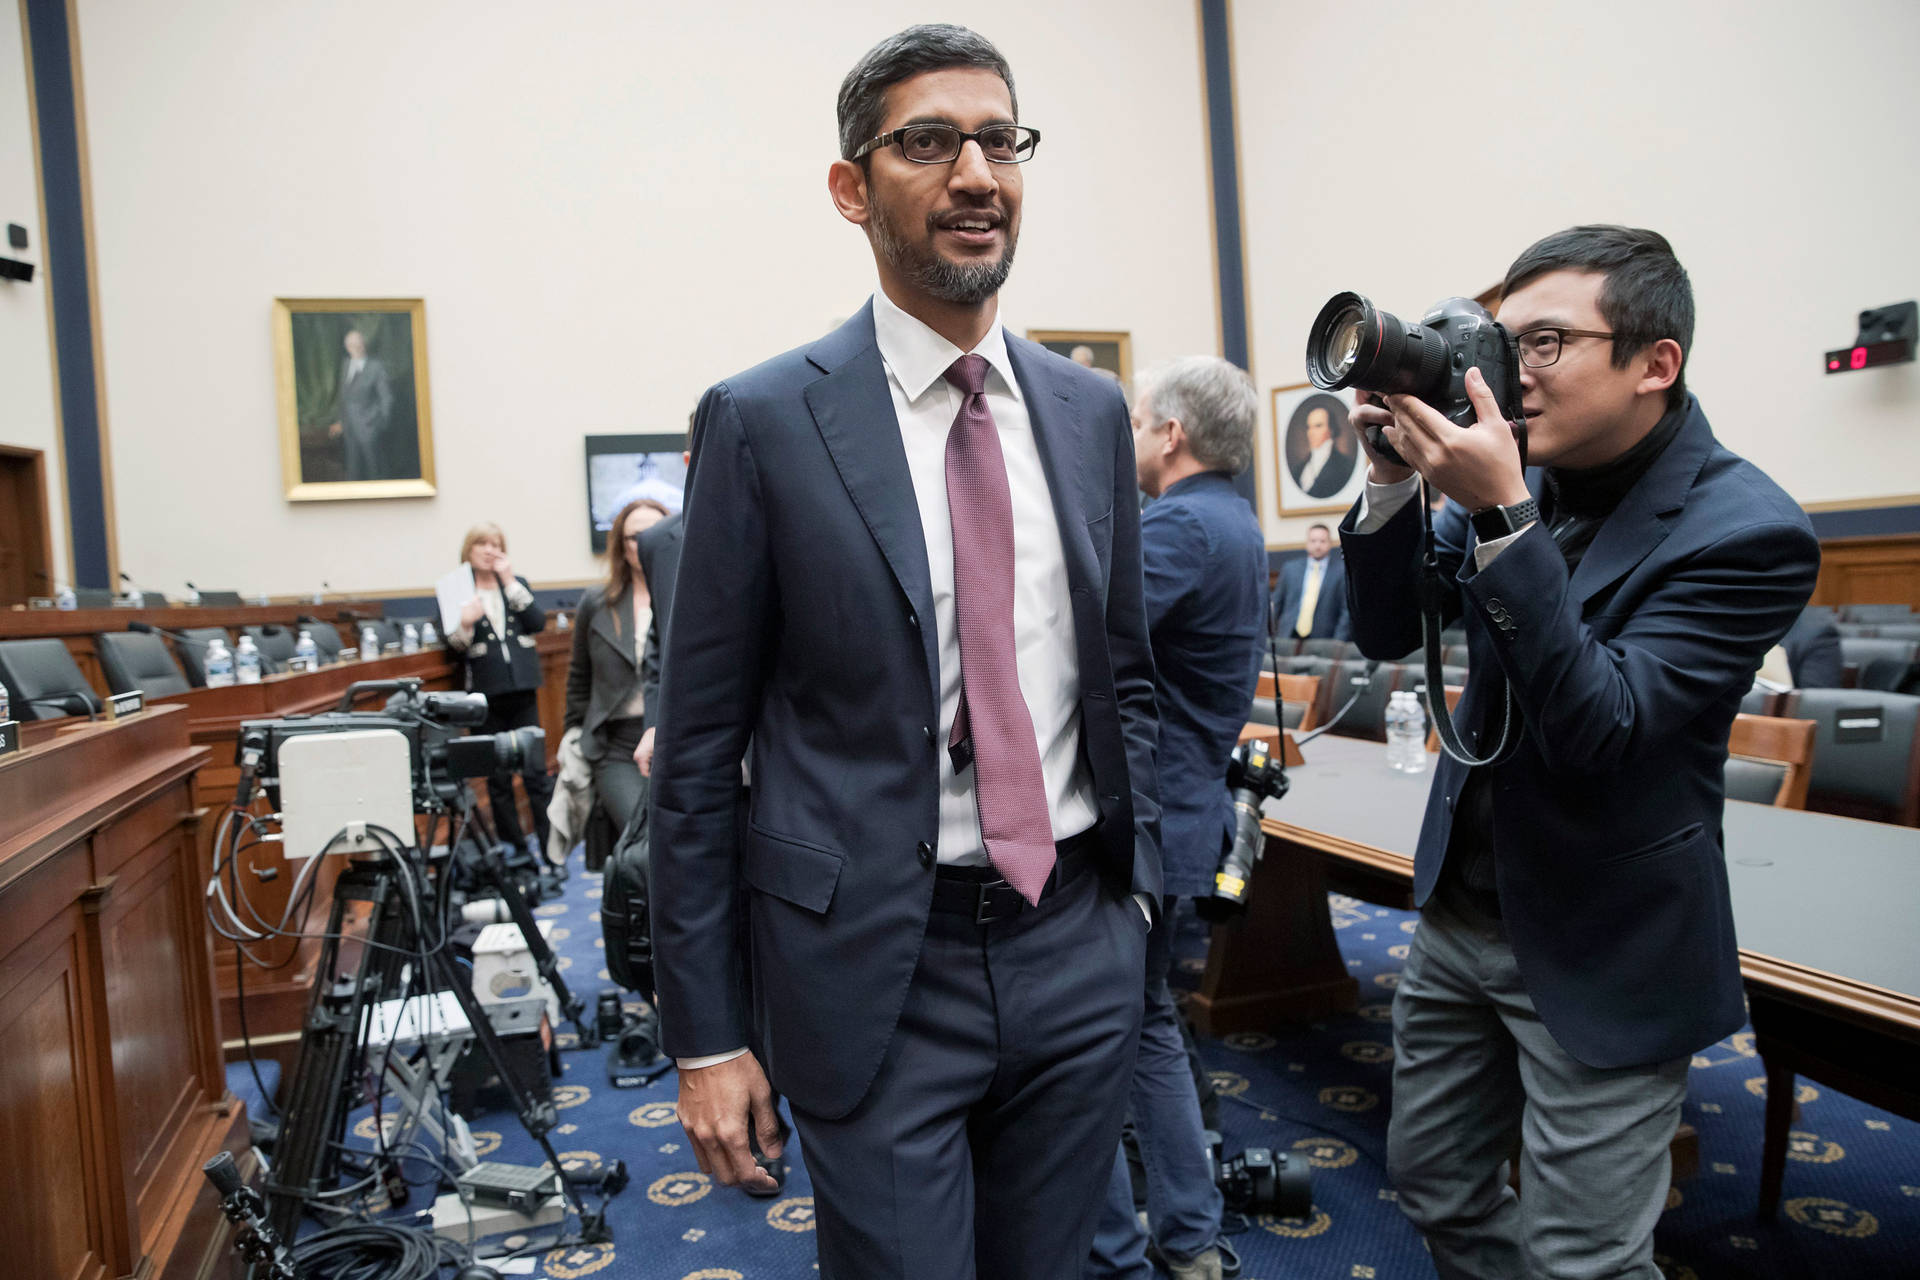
(453, 591)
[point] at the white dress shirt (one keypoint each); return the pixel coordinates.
(1315, 463)
(925, 405)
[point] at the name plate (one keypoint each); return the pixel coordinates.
(9, 737)
(126, 704)
(301, 665)
(39, 602)
(1857, 724)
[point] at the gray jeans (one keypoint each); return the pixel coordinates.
(1473, 1070)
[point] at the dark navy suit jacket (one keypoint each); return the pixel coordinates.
(1813, 651)
(1330, 618)
(1606, 820)
(1206, 571)
(804, 622)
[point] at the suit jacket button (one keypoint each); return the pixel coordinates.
(927, 729)
(1494, 605)
(913, 619)
(926, 854)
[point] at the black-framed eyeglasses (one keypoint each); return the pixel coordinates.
(1540, 347)
(940, 143)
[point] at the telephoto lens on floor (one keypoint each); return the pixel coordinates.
(1261, 1181)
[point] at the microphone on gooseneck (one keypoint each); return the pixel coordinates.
(74, 704)
(181, 637)
(1361, 683)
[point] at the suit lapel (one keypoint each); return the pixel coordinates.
(853, 411)
(1060, 435)
(1638, 524)
(604, 625)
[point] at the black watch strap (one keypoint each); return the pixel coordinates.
(1498, 522)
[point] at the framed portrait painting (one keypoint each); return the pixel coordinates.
(1320, 466)
(351, 376)
(1106, 349)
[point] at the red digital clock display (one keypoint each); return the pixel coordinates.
(1869, 355)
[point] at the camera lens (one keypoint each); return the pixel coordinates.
(1355, 344)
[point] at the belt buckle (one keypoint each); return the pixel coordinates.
(981, 912)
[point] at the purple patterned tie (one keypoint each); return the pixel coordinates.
(1008, 787)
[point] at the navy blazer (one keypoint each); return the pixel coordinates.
(1330, 617)
(1206, 572)
(803, 622)
(1813, 651)
(1606, 820)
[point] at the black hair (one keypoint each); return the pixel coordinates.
(929, 47)
(1321, 527)
(1645, 297)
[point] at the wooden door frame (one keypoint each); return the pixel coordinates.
(39, 459)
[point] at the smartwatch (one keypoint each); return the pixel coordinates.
(1498, 522)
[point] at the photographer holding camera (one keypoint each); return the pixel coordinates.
(1576, 940)
(1206, 576)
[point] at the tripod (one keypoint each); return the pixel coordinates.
(397, 900)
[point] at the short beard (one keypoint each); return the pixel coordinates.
(966, 284)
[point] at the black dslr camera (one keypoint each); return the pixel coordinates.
(1261, 1180)
(1355, 344)
(1255, 775)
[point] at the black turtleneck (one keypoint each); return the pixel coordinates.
(1574, 504)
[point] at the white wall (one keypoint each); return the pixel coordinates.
(606, 207)
(26, 361)
(1412, 152)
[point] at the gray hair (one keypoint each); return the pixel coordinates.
(1213, 400)
(929, 47)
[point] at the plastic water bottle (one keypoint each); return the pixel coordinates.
(218, 665)
(305, 651)
(246, 662)
(429, 636)
(65, 599)
(369, 643)
(1406, 734)
(409, 639)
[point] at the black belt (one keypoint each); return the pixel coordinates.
(983, 894)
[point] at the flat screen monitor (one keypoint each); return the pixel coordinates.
(622, 468)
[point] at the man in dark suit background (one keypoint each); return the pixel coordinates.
(911, 580)
(365, 417)
(1813, 651)
(1576, 941)
(1310, 598)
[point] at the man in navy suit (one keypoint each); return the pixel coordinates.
(1310, 599)
(1576, 941)
(910, 594)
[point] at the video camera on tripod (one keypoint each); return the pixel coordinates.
(361, 747)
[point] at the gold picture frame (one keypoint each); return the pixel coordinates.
(353, 426)
(1112, 348)
(1341, 475)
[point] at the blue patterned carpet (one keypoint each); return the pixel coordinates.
(1851, 1207)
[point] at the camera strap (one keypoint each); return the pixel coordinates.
(1433, 595)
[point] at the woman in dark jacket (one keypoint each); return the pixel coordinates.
(604, 699)
(495, 641)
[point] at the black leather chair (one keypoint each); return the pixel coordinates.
(1759, 702)
(1413, 676)
(1876, 613)
(1335, 649)
(1306, 665)
(1886, 665)
(276, 644)
(384, 628)
(190, 646)
(135, 660)
(1367, 718)
(43, 681)
(1758, 781)
(1453, 636)
(1898, 631)
(1455, 655)
(1866, 753)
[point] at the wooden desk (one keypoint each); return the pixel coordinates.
(277, 998)
(112, 1092)
(1823, 906)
